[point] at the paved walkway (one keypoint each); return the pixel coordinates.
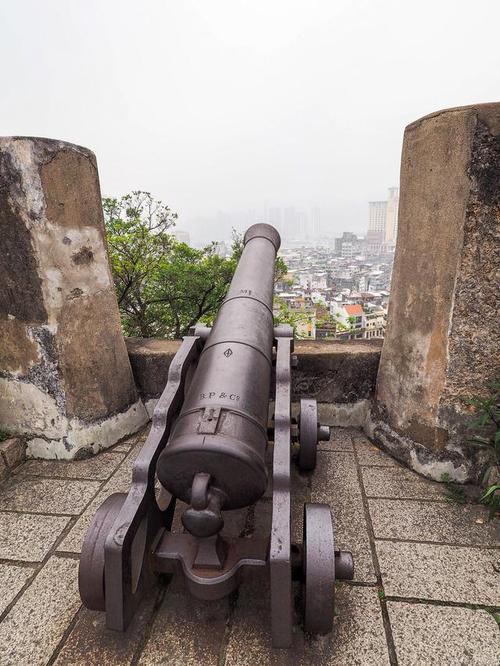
(427, 573)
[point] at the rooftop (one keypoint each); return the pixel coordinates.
(353, 309)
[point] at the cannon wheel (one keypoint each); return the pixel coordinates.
(318, 569)
(91, 570)
(308, 434)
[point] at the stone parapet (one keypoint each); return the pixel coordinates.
(442, 338)
(342, 374)
(65, 378)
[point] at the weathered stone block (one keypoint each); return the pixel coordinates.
(442, 339)
(343, 373)
(336, 372)
(150, 359)
(13, 451)
(65, 377)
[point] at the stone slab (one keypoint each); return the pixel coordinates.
(90, 643)
(28, 537)
(414, 520)
(186, 631)
(12, 579)
(440, 636)
(440, 573)
(368, 454)
(335, 482)
(13, 451)
(36, 623)
(48, 495)
(400, 483)
(118, 483)
(329, 371)
(358, 637)
(340, 440)
(98, 467)
(344, 414)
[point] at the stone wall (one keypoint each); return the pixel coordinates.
(340, 375)
(442, 338)
(65, 378)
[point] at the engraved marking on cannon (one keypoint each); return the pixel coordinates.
(219, 396)
(228, 352)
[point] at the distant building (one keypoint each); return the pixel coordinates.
(391, 220)
(275, 218)
(182, 236)
(348, 245)
(315, 222)
(290, 223)
(383, 223)
(374, 322)
(350, 316)
(303, 224)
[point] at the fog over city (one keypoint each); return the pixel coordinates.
(229, 106)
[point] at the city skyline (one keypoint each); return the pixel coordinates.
(292, 221)
(243, 102)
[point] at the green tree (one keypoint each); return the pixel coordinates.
(283, 314)
(189, 287)
(163, 287)
(136, 232)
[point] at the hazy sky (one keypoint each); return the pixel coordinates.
(227, 104)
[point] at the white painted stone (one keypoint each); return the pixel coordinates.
(435, 469)
(93, 437)
(344, 415)
(59, 273)
(150, 406)
(26, 409)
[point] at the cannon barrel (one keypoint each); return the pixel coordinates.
(214, 458)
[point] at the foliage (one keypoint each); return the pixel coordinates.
(163, 287)
(487, 425)
(283, 314)
(136, 232)
(351, 320)
(491, 498)
(4, 435)
(332, 320)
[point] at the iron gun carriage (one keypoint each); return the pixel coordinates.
(207, 447)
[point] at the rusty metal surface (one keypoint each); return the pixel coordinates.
(91, 570)
(280, 562)
(222, 426)
(207, 446)
(124, 543)
(178, 552)
(308, 434)
(319, 568)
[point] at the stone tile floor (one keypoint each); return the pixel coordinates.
(427, 572)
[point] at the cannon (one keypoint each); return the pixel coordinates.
(207, 446)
